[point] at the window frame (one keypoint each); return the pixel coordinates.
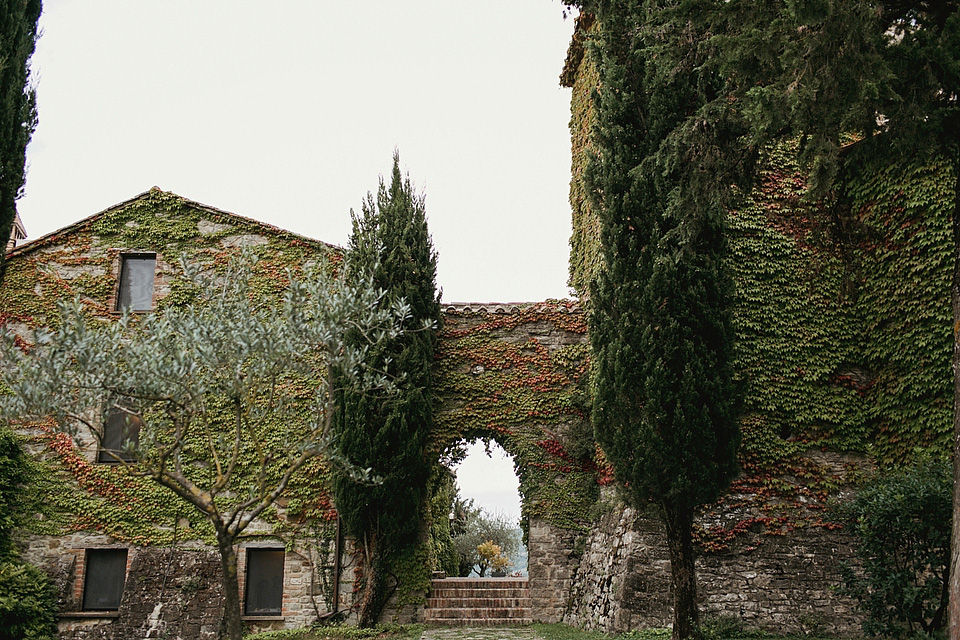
(123, 276)
(88, 592)
(110, 455)
(251, 592)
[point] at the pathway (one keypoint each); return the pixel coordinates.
(480, 633)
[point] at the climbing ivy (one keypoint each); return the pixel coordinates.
(904, 247)
(81, 261)
(500, 382)
(528, 395)
(844, 335)
(581, 75)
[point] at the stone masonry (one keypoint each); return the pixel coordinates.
(778, 583)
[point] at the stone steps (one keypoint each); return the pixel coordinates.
(474, 602)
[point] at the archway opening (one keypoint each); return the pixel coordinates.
(488, 509)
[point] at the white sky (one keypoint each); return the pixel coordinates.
(289, 111)
(490, 480)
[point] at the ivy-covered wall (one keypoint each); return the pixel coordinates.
(516, 375)
(581, 75)
(843, 327)
(96, 505)
(842, 307)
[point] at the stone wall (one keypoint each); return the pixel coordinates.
(168, 594)
(551, 564)
(173, 593)
(781, 583)
(515, 373)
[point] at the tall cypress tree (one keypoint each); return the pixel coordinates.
(18, 112)
(664, 400)
(391, 245)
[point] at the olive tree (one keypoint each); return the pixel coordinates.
(475, 526)
(231, 393)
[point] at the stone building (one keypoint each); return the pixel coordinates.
(838, 378)
(127, 563)
(129, 560)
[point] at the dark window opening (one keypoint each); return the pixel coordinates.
(264, 592)
(106, 571)
(120, 429)
(136, 282)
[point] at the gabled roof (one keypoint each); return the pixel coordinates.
(219, 214)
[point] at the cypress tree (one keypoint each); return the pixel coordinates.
(391, 246)
(664, 399)
(18, 112)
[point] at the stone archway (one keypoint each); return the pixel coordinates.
(516, 374)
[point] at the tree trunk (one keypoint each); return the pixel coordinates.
(231, 626)
(369, 611)
(679, 522)
(954, 578)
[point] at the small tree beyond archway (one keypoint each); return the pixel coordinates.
(487, 511)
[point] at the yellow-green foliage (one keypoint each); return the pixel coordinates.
(585, 256)
(843, 316)
(905, 252)
(796, 328)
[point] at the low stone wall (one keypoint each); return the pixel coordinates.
(779, 583)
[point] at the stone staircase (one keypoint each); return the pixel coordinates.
(478, 602)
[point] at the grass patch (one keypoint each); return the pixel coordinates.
(713, 629)
(566, 632)
(344, 632)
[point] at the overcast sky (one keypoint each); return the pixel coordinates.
(490, 481)
(289, 111)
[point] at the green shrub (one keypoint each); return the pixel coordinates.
(902, 522)
(14, 475)
(282, 634)
(28, 603)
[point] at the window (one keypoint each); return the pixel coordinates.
(106, 571)
(120, 427)
(264, 591)
(136, 281)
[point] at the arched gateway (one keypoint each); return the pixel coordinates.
(516, 374)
